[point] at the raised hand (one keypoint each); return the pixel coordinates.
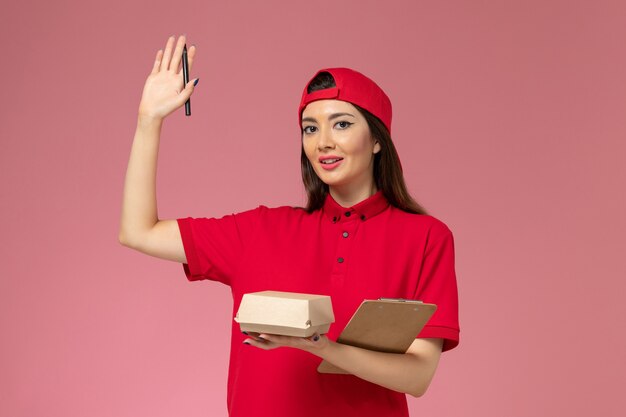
(163, 91)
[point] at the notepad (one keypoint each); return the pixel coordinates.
(384, 325)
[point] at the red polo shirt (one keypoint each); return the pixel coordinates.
(367, 251)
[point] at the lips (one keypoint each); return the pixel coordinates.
(329, 160)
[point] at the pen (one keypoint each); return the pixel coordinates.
(186, 79)
(403, 300)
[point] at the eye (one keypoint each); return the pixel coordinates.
(307, 129)
(343, 124)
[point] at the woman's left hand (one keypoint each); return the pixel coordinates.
(272, 341)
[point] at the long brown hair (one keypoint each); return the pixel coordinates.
(387, 168)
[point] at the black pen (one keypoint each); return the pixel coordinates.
(186, 79)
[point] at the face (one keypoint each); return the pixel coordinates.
(338, 144)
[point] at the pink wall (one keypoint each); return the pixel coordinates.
(510, 121)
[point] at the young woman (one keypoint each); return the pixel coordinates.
(361, 236)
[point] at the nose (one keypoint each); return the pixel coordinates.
(325, 139)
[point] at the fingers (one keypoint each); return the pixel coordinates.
(272, 341)
(157, 61)
(170, 58)
(184, 95)
(314, 338)
(253, 335)
(167, 54)
(260, 343)
(191, 53)
(178, 53)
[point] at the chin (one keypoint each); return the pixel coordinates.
(329, 180)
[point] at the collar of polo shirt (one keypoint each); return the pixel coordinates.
(364, 210)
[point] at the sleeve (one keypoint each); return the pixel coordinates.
(213, 246)
(437, 285)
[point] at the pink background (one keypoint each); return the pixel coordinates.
(510, 121)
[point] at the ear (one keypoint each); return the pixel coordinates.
(376, 147)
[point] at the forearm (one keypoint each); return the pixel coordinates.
(407, 373)
(139, 205)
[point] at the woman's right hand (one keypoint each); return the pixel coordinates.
(164, 91)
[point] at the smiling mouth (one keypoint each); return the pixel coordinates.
(331, 161)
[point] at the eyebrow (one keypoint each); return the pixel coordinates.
(331, 117)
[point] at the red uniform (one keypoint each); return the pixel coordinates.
(368, 251)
